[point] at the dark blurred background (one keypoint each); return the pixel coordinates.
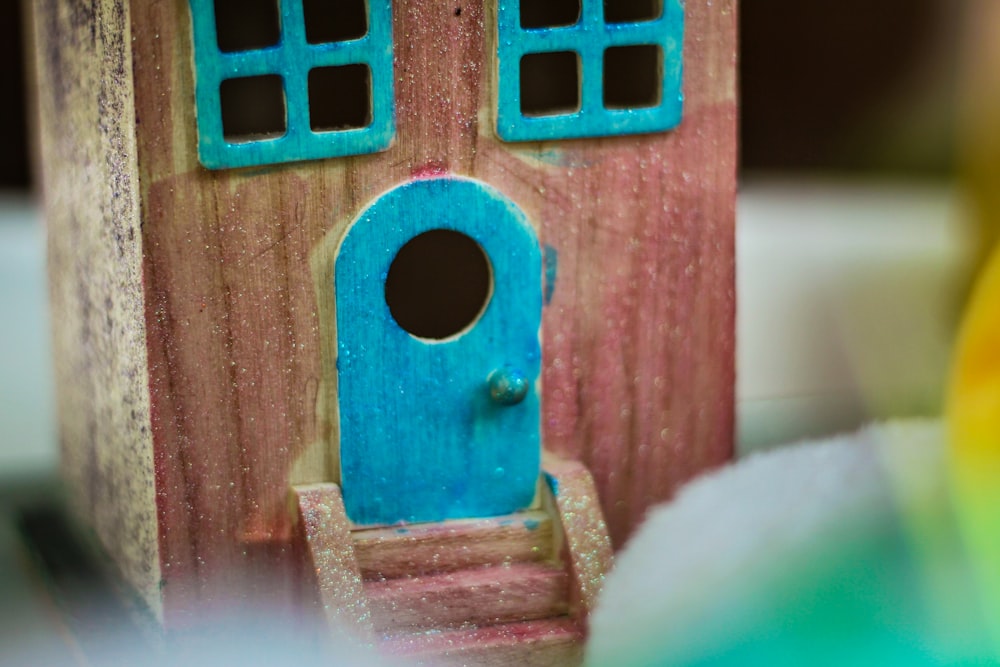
(849, 85)
(14, 167)
(853, 85)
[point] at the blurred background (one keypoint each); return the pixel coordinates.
(859, 87)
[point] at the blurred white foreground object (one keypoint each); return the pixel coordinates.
(834, 552)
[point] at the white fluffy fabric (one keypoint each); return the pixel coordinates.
(699, 570)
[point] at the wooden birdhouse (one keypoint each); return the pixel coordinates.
(386, 307)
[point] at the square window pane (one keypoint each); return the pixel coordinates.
(632, 76)
(632, 11)
(242, 25)
(340, 98)
(334, 20)
(549, 13)
(253, 108)
(550, 83)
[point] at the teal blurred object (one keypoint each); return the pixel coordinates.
(843, 552)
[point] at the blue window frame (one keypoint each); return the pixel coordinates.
(601, 49)
(288, 76)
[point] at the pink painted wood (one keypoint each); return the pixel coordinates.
(477, 596)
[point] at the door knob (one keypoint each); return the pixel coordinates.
(508, 386)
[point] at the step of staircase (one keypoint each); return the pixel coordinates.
(470, 592)
(480, 596)
(555, 642)
(448, 546)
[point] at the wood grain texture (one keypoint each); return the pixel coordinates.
(239, 326)
(476, 596)
(386, 553)
(520, 606)
(89, 183)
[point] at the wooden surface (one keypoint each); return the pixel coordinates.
(637, 337)
(293, 62)
(584, 543)
(89, 182)
(330, 568)
(480, 597)
(591, 38)
(454, 545)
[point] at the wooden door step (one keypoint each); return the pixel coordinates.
(481, 596)
(447, 546)
(553, 642)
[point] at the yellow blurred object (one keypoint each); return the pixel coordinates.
(973, 419)
(973, 401)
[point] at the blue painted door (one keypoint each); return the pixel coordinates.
(447, 426)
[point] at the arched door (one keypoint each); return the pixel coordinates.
(439, 297)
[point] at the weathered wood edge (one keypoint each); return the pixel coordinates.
(323, 524)
(89, 183)
(586, 543)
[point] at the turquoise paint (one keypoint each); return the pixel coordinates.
(420, 438)
(551, 261)
(531, 524)
(589, 38)
(292, 58)
(552, 483)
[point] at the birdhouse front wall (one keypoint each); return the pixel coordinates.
(635, 249)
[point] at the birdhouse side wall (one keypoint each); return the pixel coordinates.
(89, 182)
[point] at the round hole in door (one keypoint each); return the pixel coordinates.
(438, 284)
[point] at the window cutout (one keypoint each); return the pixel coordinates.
(632, 11)
(340, 98)
(246, 137)
(334, 20)
(550, 83)
(253, 108)
(632, 76)
(438, 284)
(549, 13)
(242, 25)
